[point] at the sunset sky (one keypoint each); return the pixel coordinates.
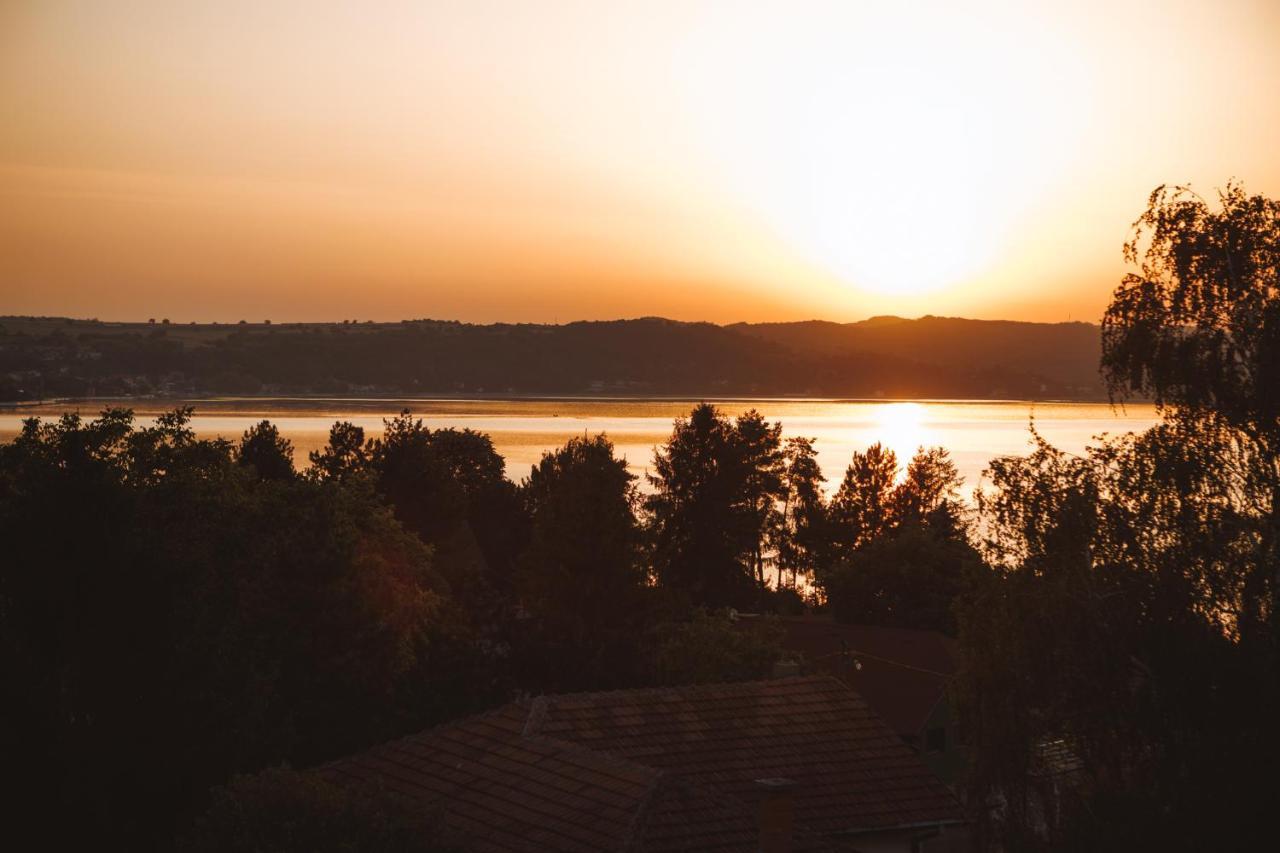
(547, 161)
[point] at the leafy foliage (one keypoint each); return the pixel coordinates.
(709, 647)
(710, 508)
(1198, 323)
(1121, 677)
(800, 535)
(284, 811)
(267, 452)
(581, 577)
(901, 555)
(198, 621)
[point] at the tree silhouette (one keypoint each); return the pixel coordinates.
(170, 618)
(759, 454)
(863, 507)
(1198, 327)
(580, 575)
(1198, 324)
(715, 486)
(902, 556)
(343, 456)
(1130, 620)
(929, 493)
(801, 538)
(263, 449)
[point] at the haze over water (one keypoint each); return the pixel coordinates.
(973, 431)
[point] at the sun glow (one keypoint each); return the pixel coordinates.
(902, 428)
(896, 171)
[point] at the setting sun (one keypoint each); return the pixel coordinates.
(894, 150)
(901, 428)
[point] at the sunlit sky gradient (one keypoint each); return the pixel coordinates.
(549, 161)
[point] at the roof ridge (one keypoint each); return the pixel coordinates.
(537, 716)
(679, 688)
(633, 837)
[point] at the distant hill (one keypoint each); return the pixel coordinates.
(932, 357)
(1063, 353)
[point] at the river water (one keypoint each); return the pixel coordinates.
(973, 431)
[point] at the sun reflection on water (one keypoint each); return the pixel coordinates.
(902, 427)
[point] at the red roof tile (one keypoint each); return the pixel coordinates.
(853, 772)
(903, 673)
(661, 769)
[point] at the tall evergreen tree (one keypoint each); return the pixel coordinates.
(697, 522)
(801, 537)
(759, 453)
(863, 507)
(581, 576)
(267, 452)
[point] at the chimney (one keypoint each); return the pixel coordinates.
(777, 814)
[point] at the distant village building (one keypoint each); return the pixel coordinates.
(791, 764)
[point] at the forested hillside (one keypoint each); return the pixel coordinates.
(885, 357)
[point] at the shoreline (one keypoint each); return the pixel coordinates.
(165, 403)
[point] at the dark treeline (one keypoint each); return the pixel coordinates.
(174, 611)
(888, 357)
(178, 610)
(1122, 674)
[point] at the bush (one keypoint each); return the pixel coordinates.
(711, 647)
(283, 811)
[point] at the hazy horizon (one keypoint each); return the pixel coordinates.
(562, 321)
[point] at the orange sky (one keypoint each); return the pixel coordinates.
(550, 161)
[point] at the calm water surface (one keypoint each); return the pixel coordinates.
(974, 431)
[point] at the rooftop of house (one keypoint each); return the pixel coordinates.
(664, 769)
(902, 672)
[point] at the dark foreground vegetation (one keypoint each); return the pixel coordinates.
(178, 613)
(43, 358)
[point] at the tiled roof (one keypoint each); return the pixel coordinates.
(658, 770)
(853, 772)
(903, 673)
(507, 792)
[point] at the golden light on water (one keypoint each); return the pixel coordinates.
(904, 431)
